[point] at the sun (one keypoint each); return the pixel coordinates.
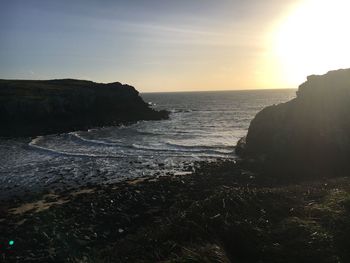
(313, 39)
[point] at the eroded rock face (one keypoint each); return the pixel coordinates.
(309, 135)
(29, 108)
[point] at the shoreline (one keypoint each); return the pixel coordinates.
(59, 182)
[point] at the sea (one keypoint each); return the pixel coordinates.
(203, 126)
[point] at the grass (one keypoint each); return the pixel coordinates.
(219, 214)
(303, 223)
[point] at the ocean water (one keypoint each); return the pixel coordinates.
(202, 126)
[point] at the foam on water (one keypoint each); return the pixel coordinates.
(202, 126)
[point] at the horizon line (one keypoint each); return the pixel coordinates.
(221, 90)
(175, 91)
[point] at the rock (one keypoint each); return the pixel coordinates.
(308, 136)
(240, 147)
(31, 107)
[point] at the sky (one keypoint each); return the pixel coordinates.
(161, 45)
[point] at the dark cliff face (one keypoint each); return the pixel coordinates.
(29, 108)
(309, 135)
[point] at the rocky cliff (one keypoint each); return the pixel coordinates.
(30, 108)
(308, 136)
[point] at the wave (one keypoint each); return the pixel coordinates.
(221, 148)
(34, 144)
(77, 136)
(187, 149)
(163, 148)
(148, 133)
(180, 110)
(201, 146)
(199, 152)
(121, 129)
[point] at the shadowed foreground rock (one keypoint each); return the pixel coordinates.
(308, 136)
(31, 107)
(220, 213)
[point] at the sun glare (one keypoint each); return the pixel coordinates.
(313, 38)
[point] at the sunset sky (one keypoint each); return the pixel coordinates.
(160, 45)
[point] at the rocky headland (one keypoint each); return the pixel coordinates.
(33, 107)
(307, 137)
